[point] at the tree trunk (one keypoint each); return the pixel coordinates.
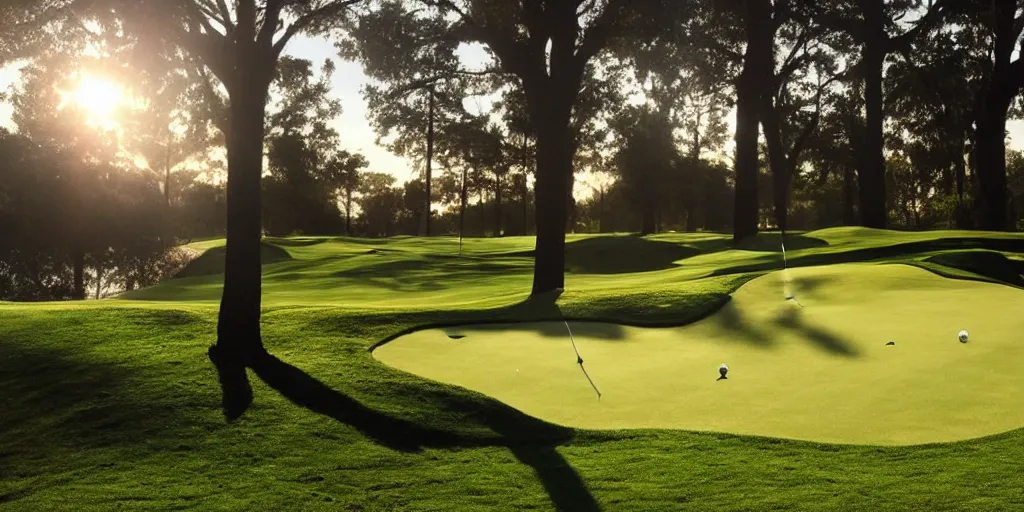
(990, 121)
(776, 158)
(647, 222)
(238, 325)
(462, 208)
(748, 92)
(99, 281)
(990, 155)
(430, 158)
(348, 212)
(79, 272)
(483, 214)
(962, 219)
(497, 206)
(873, 211)
(555, 152)
(526, 186)
(849, 196)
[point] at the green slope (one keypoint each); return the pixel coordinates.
(113, 404)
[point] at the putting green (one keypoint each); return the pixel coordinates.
(820, 372)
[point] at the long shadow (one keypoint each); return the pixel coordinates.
(828, 341)
(535, 447)
(563, 484)
(430, 273)
(397, 434)
(731, 319)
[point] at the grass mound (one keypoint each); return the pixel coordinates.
(212, 261)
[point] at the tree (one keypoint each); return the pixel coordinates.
(875, 26)
(413, 122)
(300, 195)
(783, 102)
(647, 163)
(759, 27)
(240, 46)
(342, 173)
(548, 47)
(932, 90)
(1000, 85)
(73, 215)
(381, 203)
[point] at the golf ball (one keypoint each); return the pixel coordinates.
(963, 336)
(723, 369)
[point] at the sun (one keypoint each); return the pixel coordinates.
(100, 99)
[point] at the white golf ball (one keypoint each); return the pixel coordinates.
(724, 368)
(963, 336)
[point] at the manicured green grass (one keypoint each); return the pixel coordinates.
(819, 370)
(113, 404)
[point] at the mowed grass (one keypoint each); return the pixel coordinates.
(113, 404)
(819, 370)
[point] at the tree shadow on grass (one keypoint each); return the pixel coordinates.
(731, 319)
(430, 273)
(792, 318)
(772, 262)
(531, 441)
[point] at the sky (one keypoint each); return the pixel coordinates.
(352, 125)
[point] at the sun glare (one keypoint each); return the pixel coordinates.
(100, 98)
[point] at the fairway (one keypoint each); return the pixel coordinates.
(820, 372)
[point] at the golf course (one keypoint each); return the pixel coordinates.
(407, 376)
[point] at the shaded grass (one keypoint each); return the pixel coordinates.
(212, 260)
(990, 265)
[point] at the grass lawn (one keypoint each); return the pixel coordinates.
(114, 404)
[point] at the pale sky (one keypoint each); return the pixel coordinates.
(352, 125)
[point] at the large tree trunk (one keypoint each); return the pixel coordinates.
(776, 158)
(990, 122)
(990, 156)
(238, 325)
(555, 152)
(873, 211)
(748, 92)
(430, 158)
